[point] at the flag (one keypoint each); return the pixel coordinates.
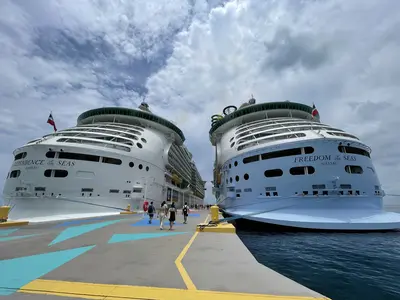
(314, 111)
(50, 121)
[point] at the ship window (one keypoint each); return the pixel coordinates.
(139, 145)
(140, 166)
(110, 160)
(131, 164)
(319, 186)
(233, 144)
(273, 173)
(237, 178)
(282, 153)
(47, 173)
(311, 170)
(297, 171)
(40, 189)
(251, 159)
(143, 140)
(341, 134)
(275, 193)
(60, 173)
(238, 190)
(230, 180)
(308, 150)
(20, 156)
(147, 168)
(315, 192)
(237, 195)
(247, 190)
(78, 156)
(231, 139)
(353, 169)
(15, 173)
(50, 154)
(230, 166)
(267, 194)
(235, 164)
(270, 188)
(126, 192)
(353, 150)
(137, 190)
(86, 190)
(345, 186)
(246, 176)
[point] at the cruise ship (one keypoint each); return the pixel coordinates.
(112, 158)
(276, 163)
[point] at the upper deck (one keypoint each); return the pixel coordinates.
(254, 112)
(131, 117)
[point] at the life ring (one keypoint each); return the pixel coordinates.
(229, 109)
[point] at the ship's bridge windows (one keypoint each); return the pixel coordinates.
(50, 154)
(20, 156)
(281, 153)
(353, 169)
(114, 191)
(136, 190)
(302, 170)
(273, 173)
(95, 143)
(15, 174)
(353, 150)
(251, 159)
(78, 156)
(56, 173)
(110, 160)
(60, 173)
(274, 138)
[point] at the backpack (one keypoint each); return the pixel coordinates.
(151, 209)
(185, 209)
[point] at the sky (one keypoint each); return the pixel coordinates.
(191, 58)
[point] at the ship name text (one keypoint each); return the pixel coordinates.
(325, 159)
(42, 162)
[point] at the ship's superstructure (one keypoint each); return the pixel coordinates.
(277, 163)
(113, 157)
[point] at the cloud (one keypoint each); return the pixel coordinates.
(192, 58)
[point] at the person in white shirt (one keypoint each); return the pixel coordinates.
(163, 214)
(185, 212)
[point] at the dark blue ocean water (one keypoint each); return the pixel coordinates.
(349, 266)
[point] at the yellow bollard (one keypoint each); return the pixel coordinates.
(214, 213)
(128, 208)
(4, 211)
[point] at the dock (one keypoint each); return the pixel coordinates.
(125, 257)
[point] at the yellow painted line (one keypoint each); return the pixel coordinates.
(178, 262)
(119, 292)
(13, 223)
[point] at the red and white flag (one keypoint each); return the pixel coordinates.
(314, 112)
(50, 121)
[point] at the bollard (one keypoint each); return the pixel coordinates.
(128, 208)
(214, 213)
(4, 211)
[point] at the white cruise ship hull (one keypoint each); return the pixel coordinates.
(31, 208)
(321, 213)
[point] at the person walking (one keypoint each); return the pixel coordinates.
(151, 210)
(172, 215)
(163, 214)
(185, 212)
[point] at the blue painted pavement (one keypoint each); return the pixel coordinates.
(72, 232)
(156, 222)
(77, 222)
(18, 272)
(119, 238)
(5, 232)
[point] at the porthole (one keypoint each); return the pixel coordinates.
(230, 166)
(230, 180)
(147, 168)
(246, 176)
(143, 140)
(139, 145)
(237, 178)
(131, 164)
(140, 167)
(236, 163)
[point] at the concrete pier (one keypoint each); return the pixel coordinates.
(125, 257)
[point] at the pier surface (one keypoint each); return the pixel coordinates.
(124, 257)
